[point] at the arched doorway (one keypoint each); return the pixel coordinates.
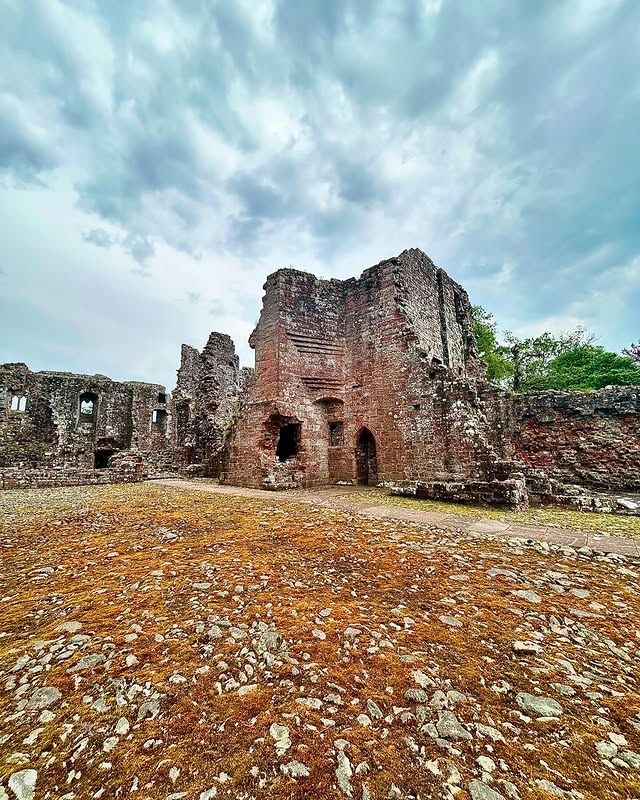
(366, 462)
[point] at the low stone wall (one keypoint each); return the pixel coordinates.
(587, 438)
(129, 470)
(510, 493)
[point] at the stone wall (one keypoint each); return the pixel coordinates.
(127, 468)
(375, 378)
(204, 403)
(66, 421)
(591, 439)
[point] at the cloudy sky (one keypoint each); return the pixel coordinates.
(158, 159)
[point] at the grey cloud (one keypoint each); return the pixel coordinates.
(100, 237)
(139, 247)
(25, 147)
(490, 134)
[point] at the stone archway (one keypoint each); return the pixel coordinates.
(366, 459)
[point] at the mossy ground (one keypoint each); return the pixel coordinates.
(547, 516)
(145, 570)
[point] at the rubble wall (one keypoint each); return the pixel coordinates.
(587, 438)
(42, 424)
(208, 390)
(389, 355)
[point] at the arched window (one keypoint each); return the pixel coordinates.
(19, 403)
(88, 408)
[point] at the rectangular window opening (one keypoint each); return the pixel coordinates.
(336, 434)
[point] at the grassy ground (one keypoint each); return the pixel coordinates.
(617, 524)
(171, 629)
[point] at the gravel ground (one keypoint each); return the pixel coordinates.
(175, 644)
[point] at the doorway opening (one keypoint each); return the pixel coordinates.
(288, 442)
(366, 461)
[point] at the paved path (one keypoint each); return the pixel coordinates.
(342, 498)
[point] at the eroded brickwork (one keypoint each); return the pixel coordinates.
(376, 378)
(62, 421)
(369, 380)
(590, 439)
(205, 402)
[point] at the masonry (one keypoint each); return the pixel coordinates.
(371, 380)
(60, 428)
(588, 439)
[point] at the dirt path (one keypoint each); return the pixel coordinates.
(344, 498)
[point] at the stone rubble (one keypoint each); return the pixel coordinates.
(124, 676)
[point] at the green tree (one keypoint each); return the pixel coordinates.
(531, 357)
(499, 368)
(588, 367)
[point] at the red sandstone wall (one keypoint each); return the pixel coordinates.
(591, 439)
(371, 353)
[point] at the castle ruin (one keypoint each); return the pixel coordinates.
(371, 380)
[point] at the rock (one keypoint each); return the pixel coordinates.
(631, 758)
(23, 784)
(87, 662)
(374, 709)
(551, 788)
(486, 764)
(480, 791)
(351, 633)
(449, 727)
(43, 697)
(487, 730)
(148, 710)
(606, 749)
(417, 695)
(208, 794)
(540, 706)
(454, 697)
(249, 687)
(629, 505)
(310, 702)
(364, 720)
(69, 627)
(453, 622)
(318, 634)
(294, 769)
(527, 594)
(344, 773)
(122, 726)
(280, 735)
(581, 593)
(423, 681)
(526, 648)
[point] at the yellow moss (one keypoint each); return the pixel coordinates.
(105, 546)
(546, 516)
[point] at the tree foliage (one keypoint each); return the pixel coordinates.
(485, 328)
(633, 351)
(564, 361)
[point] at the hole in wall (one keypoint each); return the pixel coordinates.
(88, 407)
(288, 442)
(102, 458)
